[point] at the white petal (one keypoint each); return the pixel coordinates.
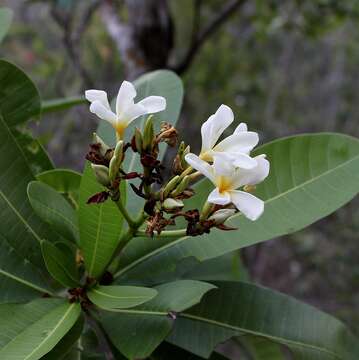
(240, 128)
(223, 164)
(103, 113)
(243, 161)
(253, 176)
(215, 197)
(200, 165)
(153, 104)
(248, 204)
(242, 142)
(125, 96)
(98, 95)
(132, 112)
(213, 128)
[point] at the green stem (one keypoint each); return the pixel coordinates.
(165, 233)
(125, 239)
(125, 214)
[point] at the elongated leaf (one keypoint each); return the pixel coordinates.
(52, 208)
(19, 101)
(33, 151)
(21, 228)
(27, 332)
(18, 268)
(152, 321)
(100, 225)
(163, 83)
(311, 176)
(241, 308)
(64, 181)
(260, 348)
(61, 267)
(19, 98)
(120, 297)
(49, 106)
(168, 351)
(228, 267)
(6, 16)
(65, 345)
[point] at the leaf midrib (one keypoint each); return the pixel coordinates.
(94, 255)
(25, 282)
(55, 212)
(305, 183)
(256, 333)
(120, 298)
(27, 225)
(53, 330)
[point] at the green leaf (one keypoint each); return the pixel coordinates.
(27, 332)
(49, 106)
(6, 16)
(20, 226)
(100, 225)
(64, 181)
(20, 269)
(52, 207)
(227, 267)
(241, 308)
(19, 98)
(162, 83)
(168, 351)
(66, 344)
(120, 297)
(311, 176)
(34, 152)
(152, 321)
(61, 267)
(260, 348)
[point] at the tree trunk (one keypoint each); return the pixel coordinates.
(145, 40)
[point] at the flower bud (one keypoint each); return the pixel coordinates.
(184, 163)
(171, 185)
(103, 147)
(182, 186)
(220, 216)
(138, 140)
(148, 134)
(172, 205)
(101, 173)
(116, 161)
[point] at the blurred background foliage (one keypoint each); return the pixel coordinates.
(285, 67)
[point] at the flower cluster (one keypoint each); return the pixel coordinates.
(232, 167)
(227, 163)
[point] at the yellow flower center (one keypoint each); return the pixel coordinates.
(223, 183)
(120, 129)
(206, 156)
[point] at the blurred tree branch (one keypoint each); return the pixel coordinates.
(72, 34)
(200, 37)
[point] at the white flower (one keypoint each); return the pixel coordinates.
(228, 179)
(126, 109)
(235, 147)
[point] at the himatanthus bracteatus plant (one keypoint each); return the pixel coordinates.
(227, 164)
(109, 264)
